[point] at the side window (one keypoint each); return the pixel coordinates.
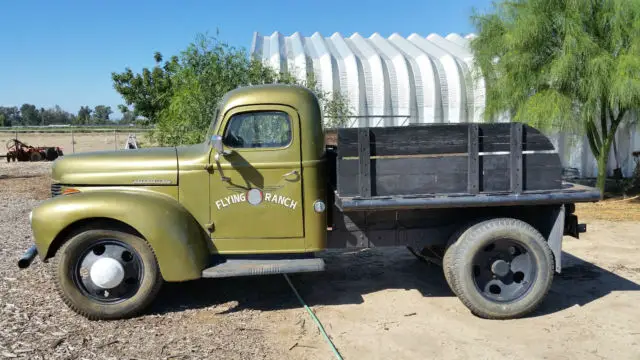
(263, 129)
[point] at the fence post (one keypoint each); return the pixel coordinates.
(115, 140)
(73, 143)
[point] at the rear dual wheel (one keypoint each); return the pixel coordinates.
(105, 274)
(499, 268)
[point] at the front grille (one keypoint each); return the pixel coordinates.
(56, 189)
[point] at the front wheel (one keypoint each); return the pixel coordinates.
(500, 268)
(105, 274)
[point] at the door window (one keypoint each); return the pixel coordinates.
(264, 129)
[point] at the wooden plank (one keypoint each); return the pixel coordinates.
(515, 158)
(438, 139)
(473, 178)
(535, 140)
(406, 140)
(496, 137)
(364, 162)
(493, 137)
(541, 172)
(495, 170)
(406, 176)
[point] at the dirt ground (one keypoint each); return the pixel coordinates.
(94, 141)
(374, 304)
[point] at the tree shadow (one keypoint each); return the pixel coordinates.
(350, 275)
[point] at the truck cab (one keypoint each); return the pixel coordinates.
(269, 170)
(262, 194)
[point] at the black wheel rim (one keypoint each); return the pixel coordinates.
(504, 270)
(119, 251)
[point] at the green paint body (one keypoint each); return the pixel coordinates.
(176, 198)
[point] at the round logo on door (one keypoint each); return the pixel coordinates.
(254, 196)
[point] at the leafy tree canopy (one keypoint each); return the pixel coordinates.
(189, 88)
(150, 91)
(101, 114)
(562, 65)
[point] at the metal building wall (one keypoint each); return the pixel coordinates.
(398, 81)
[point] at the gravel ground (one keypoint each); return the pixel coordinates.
(375, 304)
(34, 323)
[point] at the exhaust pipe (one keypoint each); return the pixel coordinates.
(28, 257)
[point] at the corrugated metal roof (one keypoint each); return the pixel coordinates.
(389, 81)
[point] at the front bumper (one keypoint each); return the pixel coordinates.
(28, 257)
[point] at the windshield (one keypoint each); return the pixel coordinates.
(212, 127)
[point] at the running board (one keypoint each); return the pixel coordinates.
(251, 267)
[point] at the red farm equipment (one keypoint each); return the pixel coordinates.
(19, 151)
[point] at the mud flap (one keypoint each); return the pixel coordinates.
(555, 236)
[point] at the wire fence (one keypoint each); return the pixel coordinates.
(74, 140)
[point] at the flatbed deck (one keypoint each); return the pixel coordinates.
(570, 193)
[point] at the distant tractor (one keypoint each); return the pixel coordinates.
(19, 151)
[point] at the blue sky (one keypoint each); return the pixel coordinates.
(63, 52)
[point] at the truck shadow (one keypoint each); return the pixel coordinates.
(582, 282)
(350, 275)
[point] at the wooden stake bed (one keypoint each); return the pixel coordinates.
(455, 161)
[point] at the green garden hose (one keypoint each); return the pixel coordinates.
(315, 319)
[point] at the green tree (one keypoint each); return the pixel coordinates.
(563, 65)
(84, 115)
(149, 91)
(101, 114)
(11, 115)
(30, 114)
(55, 116)
(3, 120)
(128, 116)
(207, 70)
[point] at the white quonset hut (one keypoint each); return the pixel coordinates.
(388, 81)
(398, 81)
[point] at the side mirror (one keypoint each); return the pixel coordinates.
(216, 140)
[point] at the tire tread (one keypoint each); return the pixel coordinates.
(456, 258)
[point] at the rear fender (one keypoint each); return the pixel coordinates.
(179, 242)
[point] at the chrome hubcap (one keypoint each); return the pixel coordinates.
(109, 271)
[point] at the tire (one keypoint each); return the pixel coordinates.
(447, 259)
(35, 156)
(73, 285)
(474, 266)
(52, 154)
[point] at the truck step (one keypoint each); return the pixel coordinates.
(250, 267)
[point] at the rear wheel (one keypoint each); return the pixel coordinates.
(35, 156)
(52, 154)
(104, 274)
(500, 268)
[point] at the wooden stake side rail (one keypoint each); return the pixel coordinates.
(445, 159)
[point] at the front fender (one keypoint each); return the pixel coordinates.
(179, 242)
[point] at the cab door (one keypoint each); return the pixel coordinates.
(257, 201)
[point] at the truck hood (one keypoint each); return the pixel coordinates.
(149, 166)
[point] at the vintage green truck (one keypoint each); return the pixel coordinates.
(264, 194)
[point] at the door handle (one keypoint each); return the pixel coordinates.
(290, 173)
